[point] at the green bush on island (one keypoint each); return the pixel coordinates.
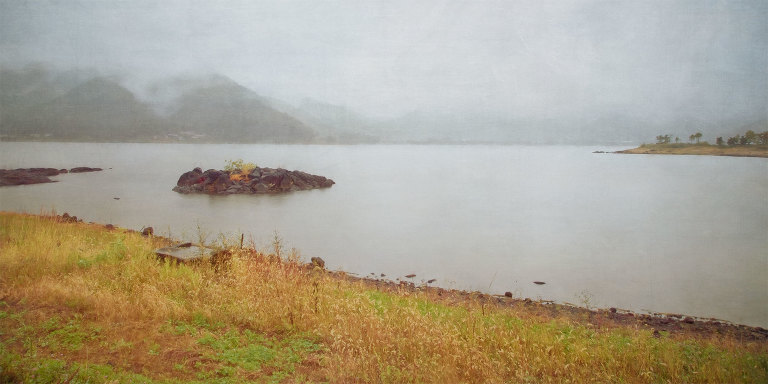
(239, 169)
(239, 166)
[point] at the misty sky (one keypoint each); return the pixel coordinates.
(510, 58)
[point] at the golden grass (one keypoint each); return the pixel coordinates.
(700, 149)
(79, 302)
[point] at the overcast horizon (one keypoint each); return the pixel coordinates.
(526, 59)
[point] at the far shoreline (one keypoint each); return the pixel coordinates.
(699, 150)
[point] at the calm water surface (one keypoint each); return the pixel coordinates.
(683, 234)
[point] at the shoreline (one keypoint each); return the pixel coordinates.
(698, 150)
(673, 323)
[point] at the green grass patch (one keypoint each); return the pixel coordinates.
(255, 353)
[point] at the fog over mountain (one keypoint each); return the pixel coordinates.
(384, 71)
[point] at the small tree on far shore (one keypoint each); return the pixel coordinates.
(720, 141)
(751, 137)
(762, 138)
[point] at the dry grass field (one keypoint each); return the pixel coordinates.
(80, 303)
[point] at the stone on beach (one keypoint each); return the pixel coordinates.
(185, 253)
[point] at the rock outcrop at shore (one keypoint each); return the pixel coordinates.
(24, 176)
(257, 181)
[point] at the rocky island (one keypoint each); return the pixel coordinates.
(248, 180)
(25, 176)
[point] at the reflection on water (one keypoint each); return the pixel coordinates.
(664, 233)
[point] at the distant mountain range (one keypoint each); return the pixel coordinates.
(40, 104)
(36, 104)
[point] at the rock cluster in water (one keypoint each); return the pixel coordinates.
(257, 181)
(24, 176)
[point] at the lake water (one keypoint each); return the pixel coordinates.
(681, 234)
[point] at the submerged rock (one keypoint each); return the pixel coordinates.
(84, 169)
(258, 181)
(25, 176)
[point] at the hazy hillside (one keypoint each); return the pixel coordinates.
(226, 111)
(98, 109)
(23, 90)
(334, 123)
(41, 104)
(75, 105)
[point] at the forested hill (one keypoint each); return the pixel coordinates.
(39, 105)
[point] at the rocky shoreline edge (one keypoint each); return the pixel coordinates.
(695, 150)
(26, 176)
(256, 181)
(597, 317)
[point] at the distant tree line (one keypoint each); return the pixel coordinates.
(748, 138)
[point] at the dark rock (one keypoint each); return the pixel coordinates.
(259, 181)
(411, 276)
(508, 294)
(192, 177)
(688, 320)
(318, 262)
(67, 218)
(148, 231)
(272, 180)
(84, 169)
(44, 171)
(539, 282)
(109, 226)
(430, 281)
(260, 188)
(26, 176)
(613, 310)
